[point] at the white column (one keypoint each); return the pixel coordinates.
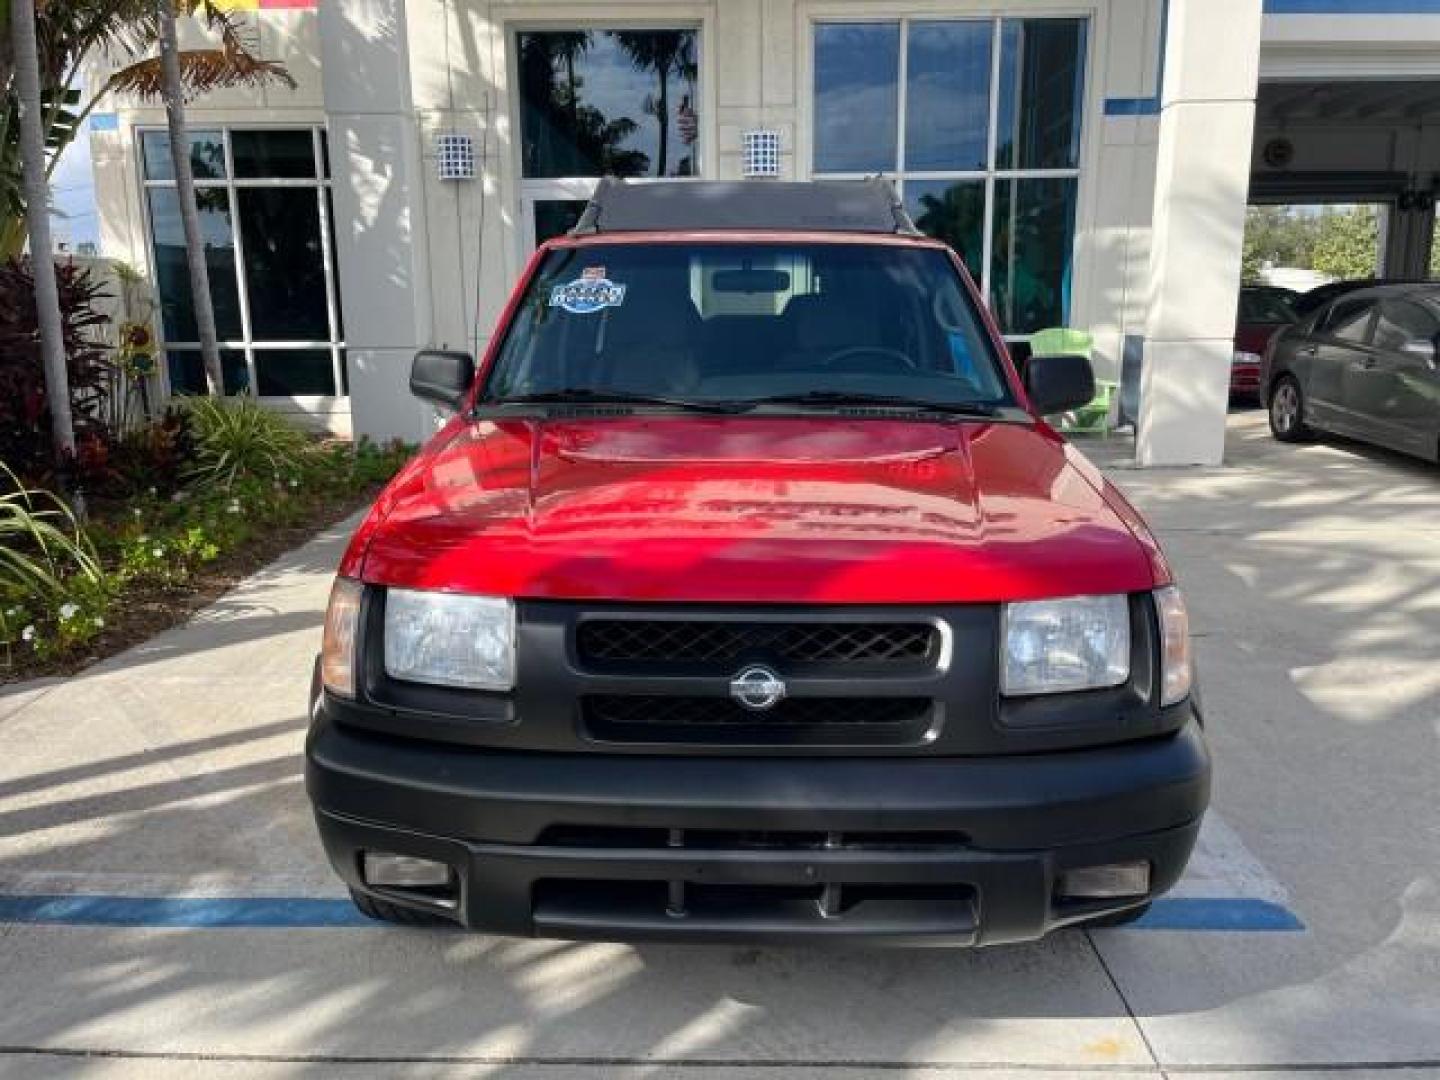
(380, 239)
(1212, 53)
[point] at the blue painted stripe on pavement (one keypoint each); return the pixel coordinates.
(1352, 7)
(181, 911)
(279, 912)
(1218, 913)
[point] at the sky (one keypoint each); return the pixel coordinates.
(72, 187)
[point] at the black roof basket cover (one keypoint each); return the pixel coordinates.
(870, 205)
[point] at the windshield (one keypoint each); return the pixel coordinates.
(742, 323)
(1266, 306)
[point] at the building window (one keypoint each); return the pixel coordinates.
(597, 102)
(979, 122)
(265, 218)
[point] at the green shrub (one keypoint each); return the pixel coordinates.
(49, 573)
(237, 437)
(159, 535)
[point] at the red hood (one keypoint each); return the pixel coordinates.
(752, 510)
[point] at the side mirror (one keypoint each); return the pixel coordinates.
(1058, 384)
(442, 376)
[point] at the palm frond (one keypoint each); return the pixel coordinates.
(236, 63)
(202, 70)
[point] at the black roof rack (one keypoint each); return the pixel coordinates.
(869, 205)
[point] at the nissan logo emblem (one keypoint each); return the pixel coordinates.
(757, 688)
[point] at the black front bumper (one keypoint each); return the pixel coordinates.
(621, 847)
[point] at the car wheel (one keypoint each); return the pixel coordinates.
(1287, 411)
(1117, 918)
(384, 911)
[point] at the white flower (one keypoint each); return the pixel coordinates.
(157, 552)
(68, 611)
(98, 621)
(152, 492)
(294, 483)
(12, 612)
(137, 512)
(28, 634)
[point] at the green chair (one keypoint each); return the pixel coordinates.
(1092, 418)
(1061, 341)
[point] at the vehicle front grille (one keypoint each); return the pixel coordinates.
(722, 642)
(839, 720)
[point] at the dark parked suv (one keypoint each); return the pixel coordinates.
(1366, 365)
(747, 595)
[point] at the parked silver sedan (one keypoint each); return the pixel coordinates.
(1366, 365)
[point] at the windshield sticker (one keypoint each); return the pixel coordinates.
(592, 291)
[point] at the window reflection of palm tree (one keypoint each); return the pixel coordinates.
(570, 138)
(666, 53)
(568, 45)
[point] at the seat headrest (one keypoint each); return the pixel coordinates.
(829, 323)
(661, 315)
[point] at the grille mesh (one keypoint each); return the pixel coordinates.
(681, 641)
(616, 711)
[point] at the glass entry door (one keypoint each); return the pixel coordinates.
(601, 101)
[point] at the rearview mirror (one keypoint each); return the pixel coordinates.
(750, 281)
(1422, 348)
(1058, 384)
(442, 376)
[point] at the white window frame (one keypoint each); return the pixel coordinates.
(535, 189)
(989, 175)
(246, 343)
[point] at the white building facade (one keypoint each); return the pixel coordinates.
(1091, 162)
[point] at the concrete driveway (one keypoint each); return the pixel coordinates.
(165, 910)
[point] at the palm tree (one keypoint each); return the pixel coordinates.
(70, 33)
(232, 63)
(173, 92)
(666, 53)
(25, 56)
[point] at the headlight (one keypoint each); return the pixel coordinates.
(450, 639)
(1176, 669)
(1078, 643)
(1241, 356)
(337, 651)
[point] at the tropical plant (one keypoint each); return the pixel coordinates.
(69, 35)
(42, 547)
(24, 396)
(237, 437)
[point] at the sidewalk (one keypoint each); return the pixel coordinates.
(173, 768)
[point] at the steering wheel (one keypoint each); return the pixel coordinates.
(895, 358)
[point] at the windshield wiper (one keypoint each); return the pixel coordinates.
(599, 396)
(839, 399)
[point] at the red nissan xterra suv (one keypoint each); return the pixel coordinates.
(747, 596)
